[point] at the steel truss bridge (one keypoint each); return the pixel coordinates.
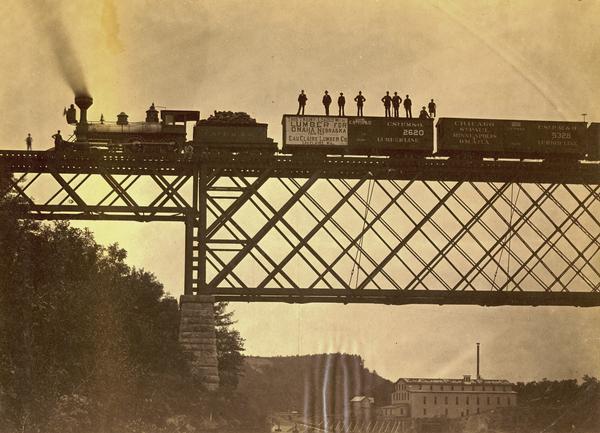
(342, 229)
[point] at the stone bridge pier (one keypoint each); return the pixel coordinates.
(198, 338)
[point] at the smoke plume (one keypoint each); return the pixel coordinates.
(110, 25)
(48, 15)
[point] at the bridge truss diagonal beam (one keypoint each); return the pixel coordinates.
(420, 240)
(101, 196)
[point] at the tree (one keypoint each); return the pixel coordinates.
(80, 326)
(230, 346)
(89, 343)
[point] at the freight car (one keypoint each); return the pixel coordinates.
(357, 135)
(522, 139)
(593, 142)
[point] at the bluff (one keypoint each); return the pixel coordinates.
(310, 384)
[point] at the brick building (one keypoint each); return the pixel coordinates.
(448, 398)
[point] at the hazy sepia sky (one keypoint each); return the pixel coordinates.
(497, 59)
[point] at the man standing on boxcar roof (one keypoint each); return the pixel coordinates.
(396, 103)
(302, 98)
(408, 107)
(29, 141)
(432, 108)
(326, 102)
(387, 103)
(360, 102)
(423, 114)
(341, 104)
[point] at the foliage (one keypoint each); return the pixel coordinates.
(88, 343)
(230, 346)
(552, 406)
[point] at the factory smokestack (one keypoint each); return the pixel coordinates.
(478, 376)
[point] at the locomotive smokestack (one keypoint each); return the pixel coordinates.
(83, 102)
(478, 376)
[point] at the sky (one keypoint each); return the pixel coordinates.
(497, 59)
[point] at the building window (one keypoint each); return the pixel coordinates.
(424, 400)
(446, 400)
(401, 411)
(430, 387)
(420, 386)
(424, 411)
(452, 388)
(462, 388)
(477, 401)
(467, 400)
(434, 400)
(456, 399)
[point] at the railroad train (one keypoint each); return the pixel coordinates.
(310, 135)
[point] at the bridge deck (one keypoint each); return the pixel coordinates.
(440, 169)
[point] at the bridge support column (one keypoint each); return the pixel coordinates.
(197, 337)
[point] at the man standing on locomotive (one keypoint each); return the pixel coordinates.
(58, 140)
(302, 98)
(326, 102)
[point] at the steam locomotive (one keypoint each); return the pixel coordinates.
(228, 132)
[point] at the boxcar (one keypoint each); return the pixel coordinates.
(511, 138)
(357, 135)
(593, 141)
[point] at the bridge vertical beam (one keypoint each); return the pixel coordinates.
(189, 253)
(197, 334)
(190, 225)
(200, 203)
